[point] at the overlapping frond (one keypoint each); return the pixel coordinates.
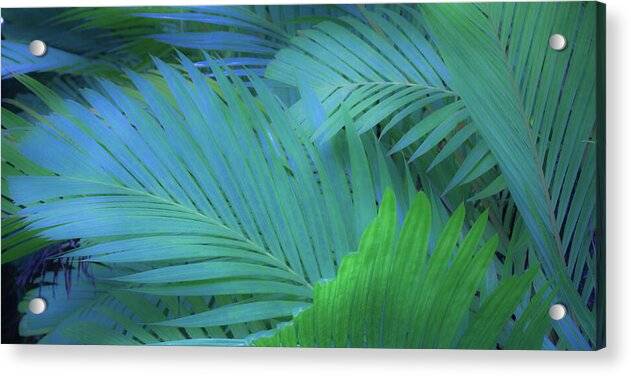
(195, 193)
(232, 200)
(371, 302)
(384, 72)
(535, 108)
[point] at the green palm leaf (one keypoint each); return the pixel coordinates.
(397, 292)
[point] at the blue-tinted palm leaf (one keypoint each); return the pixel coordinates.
(97, 313)
(196, 193)
(17, 59)
(390, 80)
(16, 241)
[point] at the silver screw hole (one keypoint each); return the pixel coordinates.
(37, 48)
(557, 42)
(557, 312)
(37, 306)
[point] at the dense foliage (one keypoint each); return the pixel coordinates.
(331, 175)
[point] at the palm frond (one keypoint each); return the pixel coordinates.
(195, 192)
(231, 200)
(371, 303)
(384, 71)
(17, 59)
(520, 100)
(17, 242)
(93, 312)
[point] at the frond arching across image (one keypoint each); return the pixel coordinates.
(385, 176)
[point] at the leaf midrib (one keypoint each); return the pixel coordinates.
(205, 217)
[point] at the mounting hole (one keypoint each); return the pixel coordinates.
(557, 312)
(557, 42)
(37, 306)
(37, 48)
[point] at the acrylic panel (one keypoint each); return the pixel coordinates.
(381, 176)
